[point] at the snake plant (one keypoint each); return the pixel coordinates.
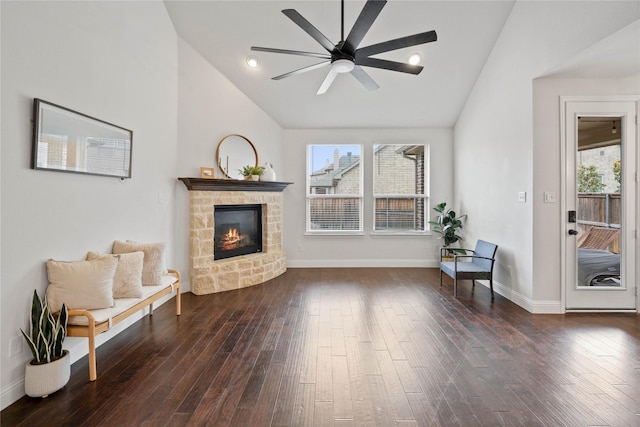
(47, 332)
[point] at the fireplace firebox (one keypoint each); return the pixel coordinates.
(237, 231)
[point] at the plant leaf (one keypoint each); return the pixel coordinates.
(32, 345)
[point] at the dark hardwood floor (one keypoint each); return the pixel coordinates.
(361, 347)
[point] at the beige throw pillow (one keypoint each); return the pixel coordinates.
(81, 284)
(153, 267)
(127, 282)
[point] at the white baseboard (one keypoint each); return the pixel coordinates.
(11, 393)
(532, 306)
(360, 263)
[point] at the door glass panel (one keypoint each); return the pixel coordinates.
(599, 205)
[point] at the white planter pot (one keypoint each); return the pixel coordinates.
(42, 380)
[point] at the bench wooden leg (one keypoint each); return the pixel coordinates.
(178, 301)
(93, 372)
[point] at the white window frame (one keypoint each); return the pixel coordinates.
(359, 196)
(425, 197)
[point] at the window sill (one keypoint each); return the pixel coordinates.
(400, 233)
(334, 233)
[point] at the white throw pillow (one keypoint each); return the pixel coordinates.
(127, 282)
(153, 267)
(81, 284)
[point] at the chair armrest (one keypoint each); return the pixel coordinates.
(454, 250)
(455, 258)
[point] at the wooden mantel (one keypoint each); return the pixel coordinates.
(204, 184)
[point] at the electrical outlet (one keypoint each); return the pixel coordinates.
(15, 346)
(300, 247)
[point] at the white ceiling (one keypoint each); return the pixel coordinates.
(616, 56)
(224, 31)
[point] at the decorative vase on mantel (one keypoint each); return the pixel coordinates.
(268, 174)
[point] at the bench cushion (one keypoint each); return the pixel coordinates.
(122, 304)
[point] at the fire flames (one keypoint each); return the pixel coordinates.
(231, 239)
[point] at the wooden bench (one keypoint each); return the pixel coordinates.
(89, 323)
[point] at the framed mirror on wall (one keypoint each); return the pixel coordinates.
(233, 153)
(68, 141)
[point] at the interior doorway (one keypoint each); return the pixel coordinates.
(600, 204)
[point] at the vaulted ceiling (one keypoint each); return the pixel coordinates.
(224, 31)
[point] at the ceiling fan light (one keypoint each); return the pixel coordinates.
(415, 59)
(342, 66)
(252, 61)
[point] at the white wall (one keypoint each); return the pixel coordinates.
(116, 61)
(494, 147)
(210, 107)
(362, 250)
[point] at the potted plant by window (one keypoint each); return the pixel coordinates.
(251, 172)
(447, 225)
(50, 368)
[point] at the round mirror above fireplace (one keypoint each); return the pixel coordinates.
(233, 153)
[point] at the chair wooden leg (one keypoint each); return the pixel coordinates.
(455, 287)
(491, 286)
(474, 282)
(440, 278)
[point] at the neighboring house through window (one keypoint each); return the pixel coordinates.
(334, 190)
(399, 187)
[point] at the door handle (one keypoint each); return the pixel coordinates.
(573, 232)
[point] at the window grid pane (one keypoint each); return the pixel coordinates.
(335, 214)
(397, 214)
(334, 188)
(399, 187)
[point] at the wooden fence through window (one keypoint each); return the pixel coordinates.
(601, 210)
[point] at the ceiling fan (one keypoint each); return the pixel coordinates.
(346, 56)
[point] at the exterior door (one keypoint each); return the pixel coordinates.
(600, 204)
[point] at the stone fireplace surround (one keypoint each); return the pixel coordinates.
(208, 276)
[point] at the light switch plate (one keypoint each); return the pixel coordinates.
(549, 197)
(522, 196)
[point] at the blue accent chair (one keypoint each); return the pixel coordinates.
(467, 264)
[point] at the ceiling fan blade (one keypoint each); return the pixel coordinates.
(389, 65)
(301, 70)
(369, 13)
(309, 29)
(291, 52)
(414, 40)
(327, 82)
(364, 78)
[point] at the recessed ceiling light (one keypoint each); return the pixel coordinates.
(414, 59)
(253, 61)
